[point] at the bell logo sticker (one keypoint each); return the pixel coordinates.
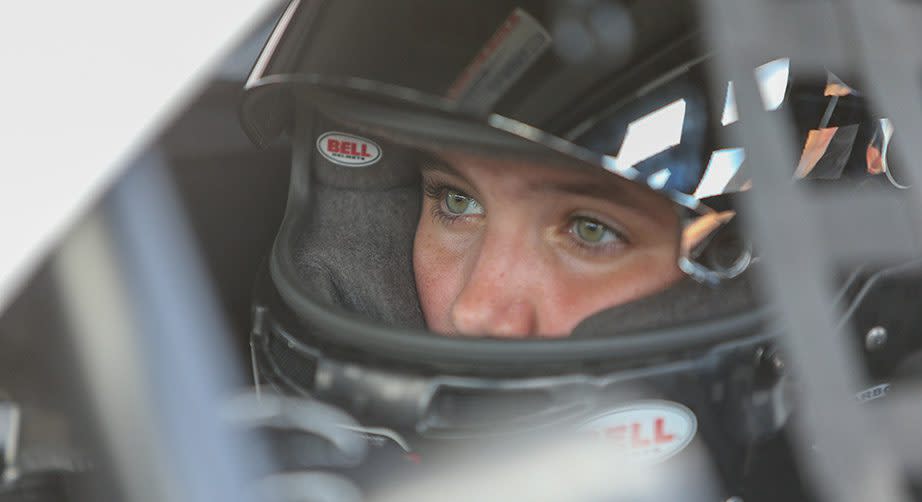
(651, 431)
(348, 149)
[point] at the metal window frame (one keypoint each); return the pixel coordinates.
(842, 447)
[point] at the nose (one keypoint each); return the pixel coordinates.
(499, 297)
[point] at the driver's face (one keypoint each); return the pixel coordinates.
(515, 249)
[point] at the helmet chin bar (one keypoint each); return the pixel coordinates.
(737, 390)
(459, 407)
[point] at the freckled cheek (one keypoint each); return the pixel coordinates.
(439, 278)
(577, 296)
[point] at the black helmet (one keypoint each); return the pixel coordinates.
(370, 93)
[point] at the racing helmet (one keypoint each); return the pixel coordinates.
(368, 93)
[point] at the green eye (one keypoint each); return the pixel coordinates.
(593, 232)
(458, 203)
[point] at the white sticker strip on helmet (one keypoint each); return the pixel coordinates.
(512, 49)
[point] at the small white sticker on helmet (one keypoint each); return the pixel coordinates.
(649, 430)
(348, 149)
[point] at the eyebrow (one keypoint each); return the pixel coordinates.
(603, 191)
(607, 192)
(440, 166)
